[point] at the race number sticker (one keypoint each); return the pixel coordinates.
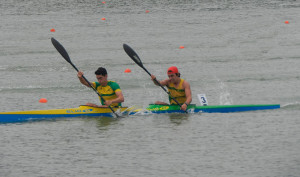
(202, 99)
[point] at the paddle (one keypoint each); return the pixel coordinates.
(65, 55)
(131, 53)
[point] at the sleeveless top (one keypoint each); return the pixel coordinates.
(178, 93)
(108, 92)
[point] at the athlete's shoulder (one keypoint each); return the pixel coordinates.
(185, 83)
(114, 85)
(95, 84)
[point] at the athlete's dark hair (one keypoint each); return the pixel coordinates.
(101, 71)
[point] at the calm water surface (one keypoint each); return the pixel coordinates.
(236, 52)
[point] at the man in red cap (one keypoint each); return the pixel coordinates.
(177, 87)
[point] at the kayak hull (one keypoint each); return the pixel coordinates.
(210, 109)
(83, 111)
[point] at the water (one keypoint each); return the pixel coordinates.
(236, 52)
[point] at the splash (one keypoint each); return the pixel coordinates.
(135, 110)
(225, 98)
(295, 105)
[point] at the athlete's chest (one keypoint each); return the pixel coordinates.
(105, 89)
(177, 85)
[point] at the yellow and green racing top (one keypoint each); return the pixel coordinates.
(178, 93)
(108, 92)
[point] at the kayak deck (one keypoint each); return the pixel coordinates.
(20, 116)
(211, 109)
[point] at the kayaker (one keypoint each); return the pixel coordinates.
(109, 90)
(177, 87)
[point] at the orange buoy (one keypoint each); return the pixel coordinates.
(43, 100)
(52, 30)
(127, 70)
(147, 11)
(103, 18)
(181, 47)
(287, 22)
(103, 2)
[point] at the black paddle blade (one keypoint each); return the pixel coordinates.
(131, 53)
(61, 49)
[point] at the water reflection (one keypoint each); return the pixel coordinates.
(178, 118)
(103, 123)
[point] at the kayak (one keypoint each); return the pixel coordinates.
(210, 109)
(20, 116)
(83, 111)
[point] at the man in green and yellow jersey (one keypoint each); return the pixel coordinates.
(177, 87)
(109, 90)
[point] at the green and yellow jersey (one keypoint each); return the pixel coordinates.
(178, 93)
(108, 92)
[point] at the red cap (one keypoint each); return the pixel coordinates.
(172, 70)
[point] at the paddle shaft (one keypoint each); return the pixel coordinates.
(87, 81)
(65, 55)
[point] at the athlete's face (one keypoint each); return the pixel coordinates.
(101, 79)
(172, 77)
